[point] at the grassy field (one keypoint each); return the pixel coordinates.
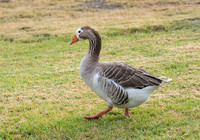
(42, 95)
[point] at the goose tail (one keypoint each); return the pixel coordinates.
(164, 79)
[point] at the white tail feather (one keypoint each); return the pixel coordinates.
(165, 79)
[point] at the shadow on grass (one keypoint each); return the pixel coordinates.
(192, 24)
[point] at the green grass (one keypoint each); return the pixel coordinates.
(42, 95)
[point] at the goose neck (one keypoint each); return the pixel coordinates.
(94, 47)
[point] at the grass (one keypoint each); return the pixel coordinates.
(43, 97)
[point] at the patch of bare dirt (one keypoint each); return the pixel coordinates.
(101, 4)
(5, 1)
(97, 4)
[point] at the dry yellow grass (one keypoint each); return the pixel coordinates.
(57, 17)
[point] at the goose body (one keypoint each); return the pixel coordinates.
(118, 83)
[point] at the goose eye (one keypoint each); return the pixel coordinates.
(79, 31)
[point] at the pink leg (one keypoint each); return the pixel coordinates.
(96, 116)
(127, 113)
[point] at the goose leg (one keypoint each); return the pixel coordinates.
(96, 116)
(127, 113)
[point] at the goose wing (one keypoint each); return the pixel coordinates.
(129, 77)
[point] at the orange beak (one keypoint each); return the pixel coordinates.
(75, 39)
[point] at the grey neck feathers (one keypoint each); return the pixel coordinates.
(95, 45)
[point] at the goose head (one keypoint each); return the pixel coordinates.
(82, 33)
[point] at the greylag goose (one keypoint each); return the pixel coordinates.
(118, 83)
